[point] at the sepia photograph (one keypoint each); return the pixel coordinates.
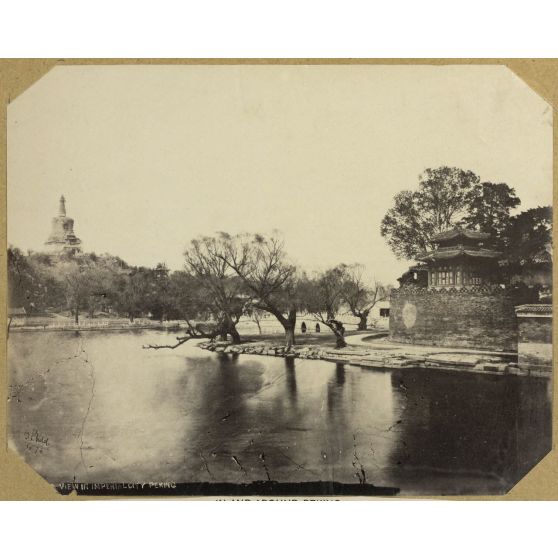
(306, 280)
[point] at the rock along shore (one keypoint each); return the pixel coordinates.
(386, 358)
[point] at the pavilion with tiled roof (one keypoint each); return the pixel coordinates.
(461, 257)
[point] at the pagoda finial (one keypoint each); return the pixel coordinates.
(62, 207)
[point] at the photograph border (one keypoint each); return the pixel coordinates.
(19, 482)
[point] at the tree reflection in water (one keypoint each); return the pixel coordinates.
(486, 432)
(194, 416)
(290, 378)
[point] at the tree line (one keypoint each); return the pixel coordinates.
(228, 276)
(224, 278)
(447, 197)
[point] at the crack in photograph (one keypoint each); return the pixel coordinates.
(280, 279)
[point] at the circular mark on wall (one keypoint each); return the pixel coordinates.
(409, 315)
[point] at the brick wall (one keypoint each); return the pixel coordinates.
(476, 317)
(535, 337)
(535, 329)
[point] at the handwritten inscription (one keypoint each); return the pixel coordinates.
(35, 442)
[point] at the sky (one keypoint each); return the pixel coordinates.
(149, 157)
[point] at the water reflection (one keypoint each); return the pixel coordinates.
(484, 430)
(115, 412)
(340, 373)
(290, 376)
(335, 385)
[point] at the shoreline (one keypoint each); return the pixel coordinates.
(389, 357)
(368, 350)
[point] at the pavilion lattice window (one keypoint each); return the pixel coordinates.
(472, 278)
(445, 276)
(475, 279)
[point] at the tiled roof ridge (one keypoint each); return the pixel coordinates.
(460, 231)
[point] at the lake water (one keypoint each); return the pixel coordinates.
(96, 407)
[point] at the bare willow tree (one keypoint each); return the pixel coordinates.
(217, 284)
(256, 315)
(360, 295)
(323, 297)
(266, 273)
(208, 288)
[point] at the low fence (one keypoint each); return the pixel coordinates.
(270, 325)
(246, 326)
(61, 324)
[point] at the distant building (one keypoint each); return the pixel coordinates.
(380, 314)
(529, 261)
(416, 276)
(17, 316)
(62, 237)
(17, 312)
(536, 273)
